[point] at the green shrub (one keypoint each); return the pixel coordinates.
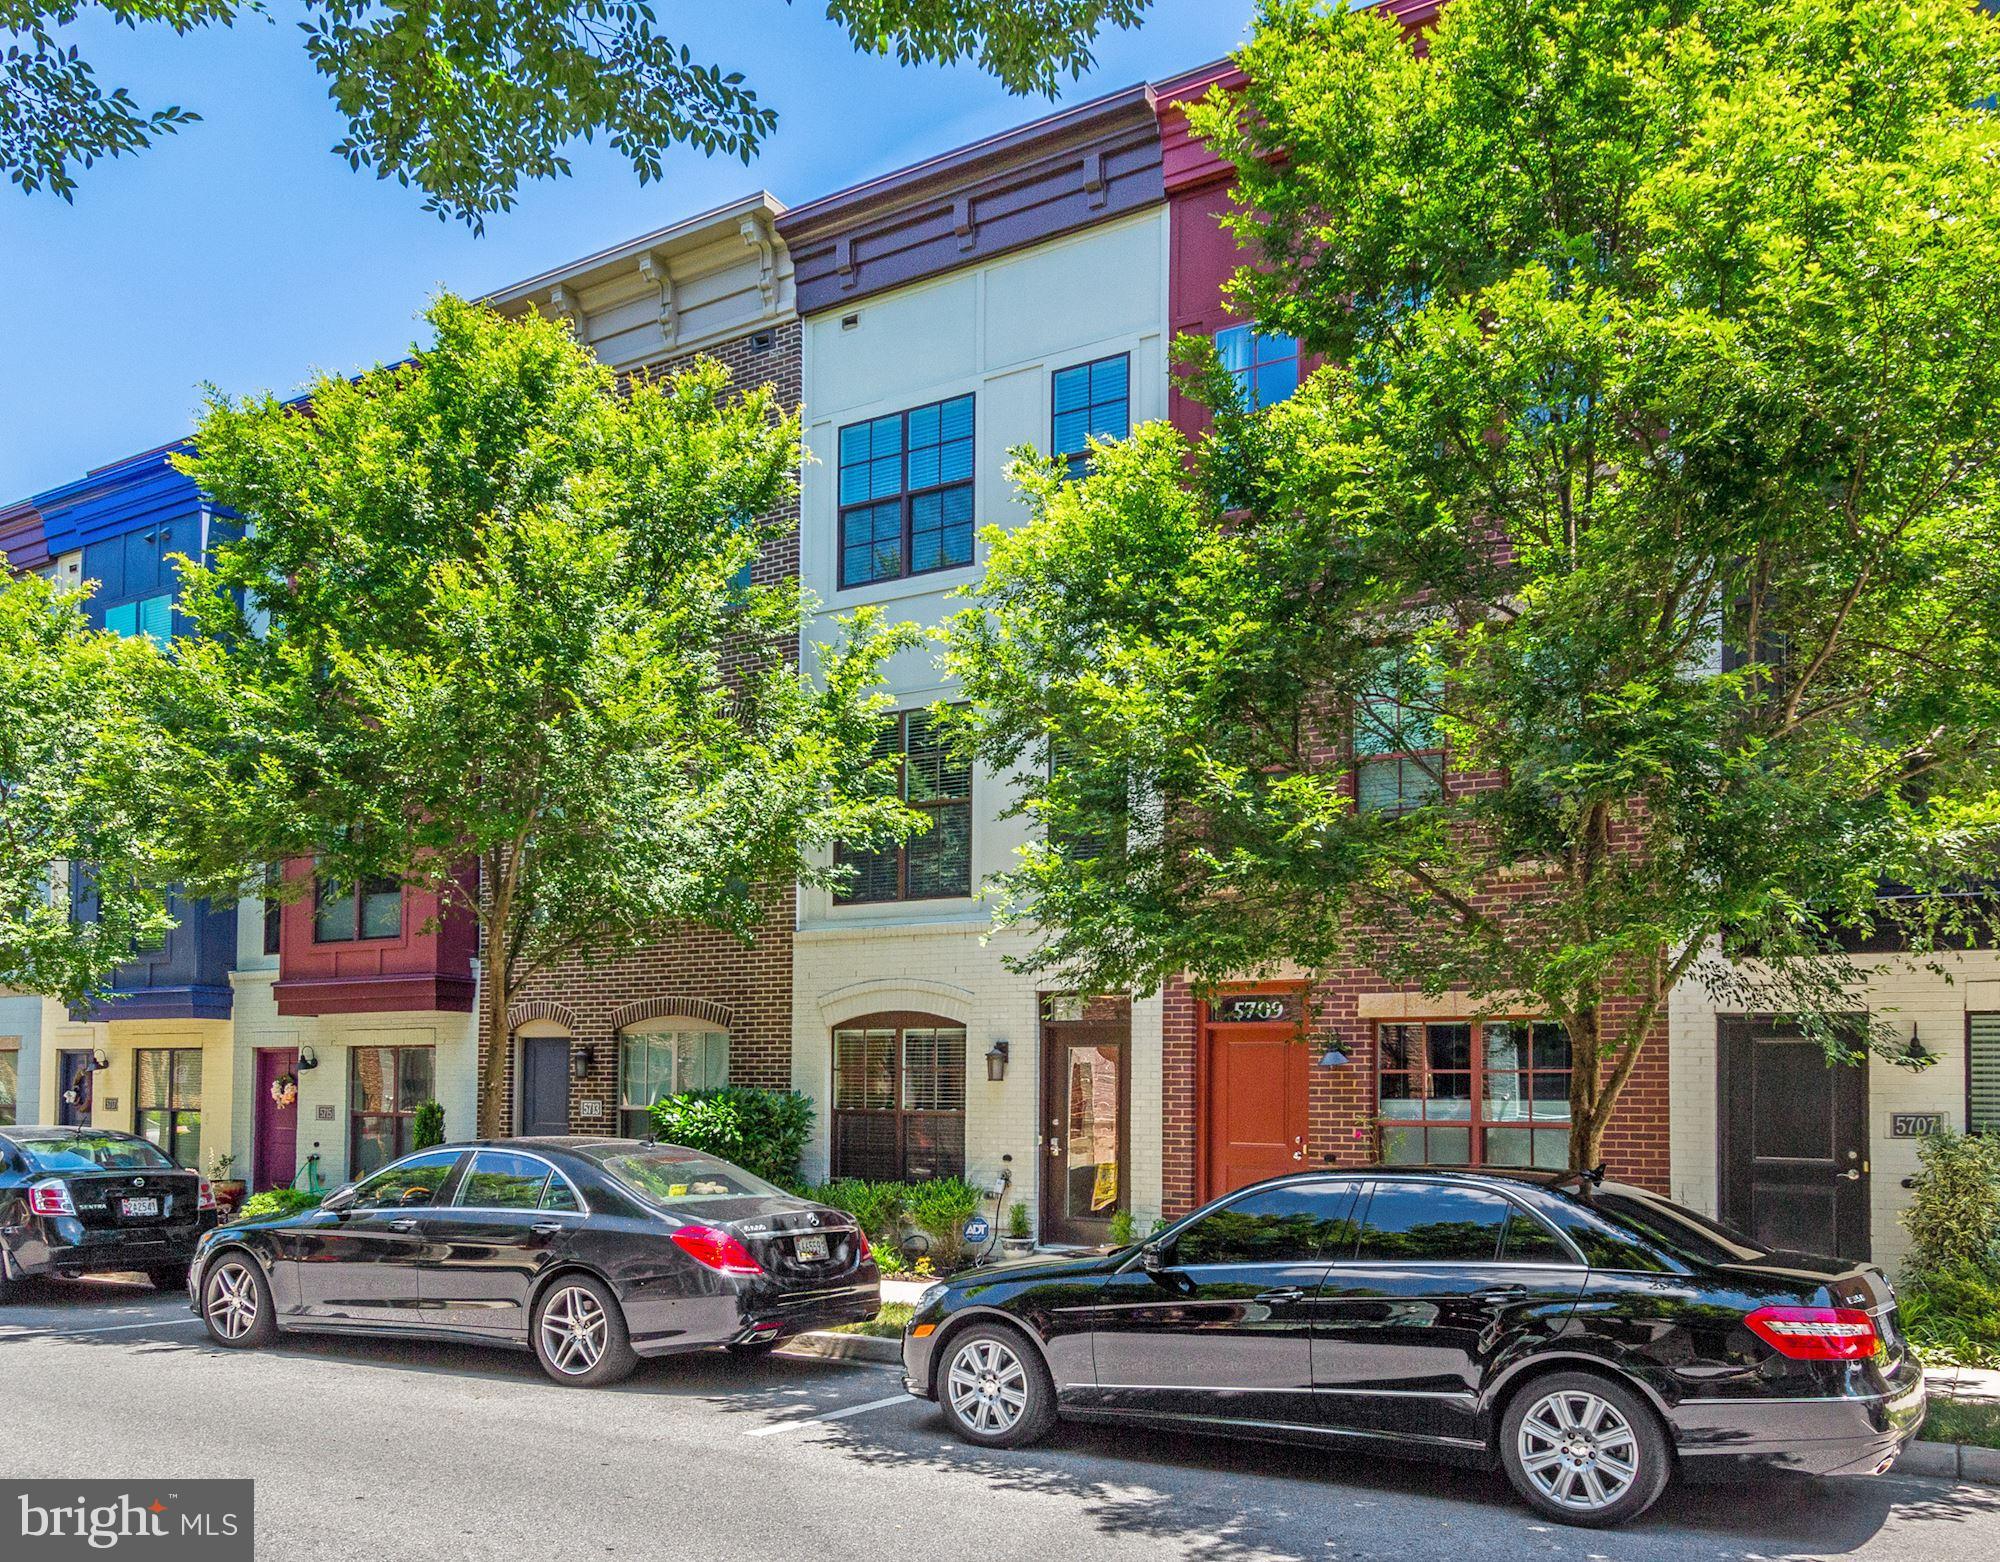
(1017, 1221)
(426, 1125)
(1954, 1218)
(278, 1201)
(1952, 1316)
(1121, 1228)
(940, 1208)
(875, 1204)
(763, 1131)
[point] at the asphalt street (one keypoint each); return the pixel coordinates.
(404, 1452)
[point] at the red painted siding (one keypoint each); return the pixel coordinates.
(424, 968)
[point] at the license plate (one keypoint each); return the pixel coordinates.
(812, 1249)
(134, 1207)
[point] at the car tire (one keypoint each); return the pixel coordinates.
(236, 1302)
(169, 1277)
(994, 1388)
(579, 1333)
(1585, 1450)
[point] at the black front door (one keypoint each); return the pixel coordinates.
(1223, 1328)
(1444, 1282)
(1794, 1141)
(74, 1078)
(358, 1263)
(544, 1085)
(485, 1250)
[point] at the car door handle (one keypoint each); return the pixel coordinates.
(402, 1225)
(1280, 1296)
(547, 1228)
(1500, 1293)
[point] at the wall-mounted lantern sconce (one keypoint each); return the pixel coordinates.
(99, 1058)
(996, 1062)
(1918, 1055)
(1333, 1057)
(308, 1059)
(579, 1062)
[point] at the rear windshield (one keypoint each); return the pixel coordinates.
(1681, 1232)
(660, 1173)
(93, 1152)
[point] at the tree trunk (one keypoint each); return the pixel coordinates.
(1587, 1109)
(496, 986)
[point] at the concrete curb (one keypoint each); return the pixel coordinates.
(1954, 1461)
(846, 1347)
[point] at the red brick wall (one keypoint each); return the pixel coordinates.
(746, 991)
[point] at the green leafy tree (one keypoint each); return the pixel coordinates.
(1631, 560)
(466, 101)
(69, 727)
(484, 638)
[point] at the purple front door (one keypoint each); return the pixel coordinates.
(277, 1141)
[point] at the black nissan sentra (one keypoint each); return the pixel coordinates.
(85, 1201)
(1587, 1338)
(590, 1252)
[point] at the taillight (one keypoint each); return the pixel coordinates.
(862, 1251)
(50, 1198)
(1815, 1333)
(718, 1250)
(206, 1198)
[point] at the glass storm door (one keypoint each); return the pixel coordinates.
(1084, 1110)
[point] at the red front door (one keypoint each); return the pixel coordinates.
(277, 1142)
(1254, 1103)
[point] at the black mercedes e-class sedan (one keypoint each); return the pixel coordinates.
(589, 1252)
(1586, 1337)
(86, 1201)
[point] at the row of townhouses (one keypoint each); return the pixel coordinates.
(1023, 290)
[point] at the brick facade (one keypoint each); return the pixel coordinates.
(703, 975)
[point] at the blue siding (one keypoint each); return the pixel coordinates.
(186, 978)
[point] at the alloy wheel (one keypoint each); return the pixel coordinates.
(574, 1330)
(988, 1386)
(231, 1308)
(1579, 1451)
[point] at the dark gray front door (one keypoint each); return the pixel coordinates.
(1794, 1148)
(544, 1084)
(74, 1079)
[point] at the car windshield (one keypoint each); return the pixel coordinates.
(659, 1172)
(87, 1152)
(1680, 1231)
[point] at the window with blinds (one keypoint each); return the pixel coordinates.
(899, 1101)
(1982, 1074)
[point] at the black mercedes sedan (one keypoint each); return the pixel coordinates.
(1587, 1337)
(86, 1201)
(589, 1252)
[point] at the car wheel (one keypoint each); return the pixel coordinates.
(169, 1277)
(580, 1336)
(236, 1303)
(994, 1388)
(1584, 1450)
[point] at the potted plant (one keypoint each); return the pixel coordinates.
(1017, 1243)
(228, 1190)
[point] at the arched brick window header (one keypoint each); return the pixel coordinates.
(703, 1009)
(542, 1009)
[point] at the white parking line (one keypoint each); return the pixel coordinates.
(107, 1328)
(828, 1415)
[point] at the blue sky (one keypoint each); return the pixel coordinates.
(242, 252)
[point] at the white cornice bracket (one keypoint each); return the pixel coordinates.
(653, 268)
(563, 306)
(757, 234)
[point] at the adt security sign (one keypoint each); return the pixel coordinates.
(978, 1229)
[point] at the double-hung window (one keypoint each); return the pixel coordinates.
(167, 1102)
(150, 616)
(343, 913)
(906, 493)
(1455, 1093)
(386, 1085)
(1091, 401)
(1398, 758)
(898, 1100)
(1264, 366)
(653, 1064)
(933, 779)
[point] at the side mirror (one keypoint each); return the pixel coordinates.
(1154, 1257)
